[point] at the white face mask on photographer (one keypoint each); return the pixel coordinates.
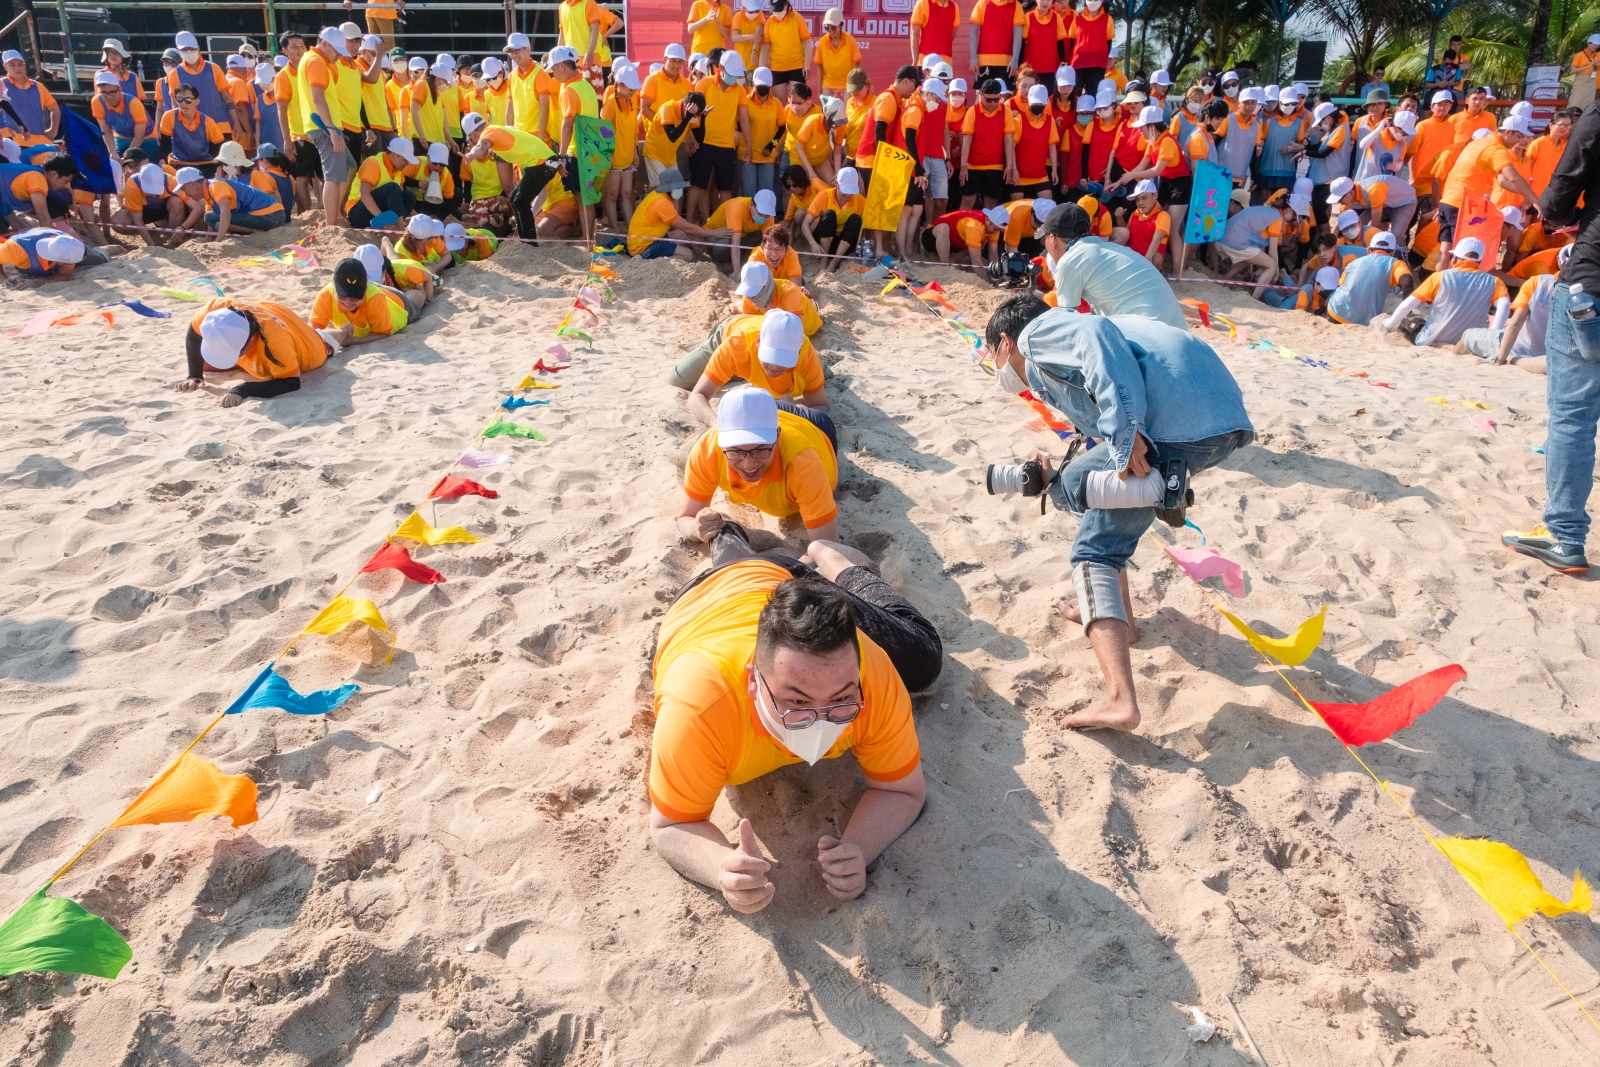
(1007, 380)
(810, 744)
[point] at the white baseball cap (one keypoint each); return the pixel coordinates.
(754, 278)
(186, 175)
(1443, 96)
(563, 53)
(1468, 248)
(959, 85)
(1066, 76)
(1086, 104)
(999, 216)
(401, 146)
(628, 78)
(421, 228)
(493, 67)
(61, 248)
(1323, 111)
(455, 236)
(351, 31)
(929, 61)
(183, 40)
(1105, 98)
(334, 37)
(438, 152)
(280, 61)
(748, 416)
(517, 40)
(782, 335)
(416, 63)
(237, 62)
(1271, 92)
(1302, 90)
(233, 154)
(152, 180)
(765, 203)
(1230, 75)
(1385, 240)
(1347, 220)
(1301, 205)
(372, 43)
(264, 75)
(105, 77)
(1253, 95)
(1339, 188)
(849, 180)
(1515, 124)
(935, 88)
(1512, 216)
(1038, 94)
(761, 76)
(10, 151)
(676, 51)
(1328, 278)
(944, 73)
(1161, 77)
(1042, 206)
(1594, 39)
(1145, 186)
(471, 121)
(1116, 50)
(733, 63)
(445, 59)
(443, 71)
(223, 335)
(1152, 116)
(1105, 83)
(1304, 186)
(10, 55)
(371, 259)
(1288, 96)
(1523, 108)
(1407, 121)
(834, 17)
(657, 68)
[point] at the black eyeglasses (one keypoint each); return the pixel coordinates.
(801, 718)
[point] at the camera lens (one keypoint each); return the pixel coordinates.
(1006, 478)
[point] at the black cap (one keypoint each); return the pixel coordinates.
(1066, 221)
(350, 280)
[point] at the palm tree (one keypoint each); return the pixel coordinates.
(1369, 27)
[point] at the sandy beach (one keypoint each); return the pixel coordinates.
(454, 866)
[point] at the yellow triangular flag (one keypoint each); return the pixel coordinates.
(530, 383)
(1441, 401)
(342, 612)
(1476, 404)
(1501, 875)
(1296, 648)
(193, 788)
(414, 529)
(890, 287)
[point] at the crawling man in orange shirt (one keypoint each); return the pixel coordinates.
(767, 661)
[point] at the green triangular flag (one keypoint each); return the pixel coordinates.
(57, 934)
(501, 428)
(573, 331)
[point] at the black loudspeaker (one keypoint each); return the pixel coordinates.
(1309, 61)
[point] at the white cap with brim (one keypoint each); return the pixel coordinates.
(676, 51)
(733, 63)
(628, 78)
(372, 43)
(185, 40)
(280, 61)
(1348, 220)
(761, 76)
(1384, 240)
(1407, 121)
(11, 55)
(1443, 96)
(420, 228)
(1152, 116)
(105, 77)
(669, 180)
(1253, 95)
(562, 53)
(1105, 98)
(935, 88)
(997, 216)
(753, 279)
(959, 85)
(334, 38)
(1468, 248)
(1086, 104)
(1339, 188)
(1105, 83)
(1324, 111)
(493, 68)
(442, 72)
(1288, 96)
(849, 181)
(471, 121)
(1516, 124)
(1161, 77)
(371, 258)
(402, 147)
(232, 154)
(1066, 76)
(1594, 39)
(1513, 216)
(747, 416)
(1038, 95)
(438, 152)
(223, 335)
(351, 31)
(1304, 187)
(455, 236)
(782, 335)
(1042, 206)
(264, 75)
(152, 180)
(237, 62)
(1146, 187)
(1301, 204)
(61, 248)
(518, 40)
(1328, 278)
(186, 175)
(765, 203)
(1230, 76)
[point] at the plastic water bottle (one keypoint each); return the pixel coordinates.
(1580, 305)
(866, 250)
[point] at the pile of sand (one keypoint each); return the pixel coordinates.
(1063, 898)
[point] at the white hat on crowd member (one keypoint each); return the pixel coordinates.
(188, 175)
(1443, 96)
(849, 180)
(1339, 188)
(10, 151)
(1230, 76)
(943, 71)
(765, 204)
(280, 61)
(417, 63)
(935, 88)
(1301, 204)
(1468, 248)
(1288, 96)
(1086, 104)
(1252, 95)
(959, 85)
(1161, 77)
(1105, 83)
(747, 416)
(333, 38)
(1304, 187)
(1594, 39)
(471, 121)
(420, 228)
(1107, 98)
(1385, 241)
(1042, 206)
(223, 335)
(657, 68)
(676, 51)
(1301, 90)
(782, 337)
(761, 76)
(232, 154)
(1513, 216)
(564, 53)
(443, 71)
(455, 236)
(1348, 220)
(1407, 121)
(1152, 116)
(111, 44)
(1328, 279)
(152, 180)
(628, 78)
(517, 40)
(998, 215)
(105, 77)
(402, 147)
(1516, 124)
(371, 259)
(1039, 95)
(372, 43)
(492, 68)
(438, 152)
(1066, 76)
(237, 62)
(1145, 187)
(834, 17)
(733, 63)
(264, 75)
(183, 40)
(1323, 111)
(753, 279)
(351, 31)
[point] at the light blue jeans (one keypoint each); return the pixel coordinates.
(1110, 535)
(1572, 351)
(754, 176)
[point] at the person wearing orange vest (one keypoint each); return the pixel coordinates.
(264, 341)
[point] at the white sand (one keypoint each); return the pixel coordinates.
(1063, 898)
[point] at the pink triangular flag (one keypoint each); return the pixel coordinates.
(589, 295)
(475, 457)
(1203, 563)
(559, 351)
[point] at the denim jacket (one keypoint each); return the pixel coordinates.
(1118, 376)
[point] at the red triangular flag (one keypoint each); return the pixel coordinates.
(393, 557)
(539, 364)
(450, 488)
(1361, 724)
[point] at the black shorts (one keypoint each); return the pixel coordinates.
(1175, 190)
(709, 160)
(783, 77)
(985, 183)
(156, 212)
(1001, 73)
(1038, 189)
(569, 180)
(914, 195)
(306, 162)
(1447, 223)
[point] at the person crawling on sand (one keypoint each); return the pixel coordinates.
(765, 661)
(262, 340)
(769, 351)
(359, 310)
(1165, 408)
(779, 462)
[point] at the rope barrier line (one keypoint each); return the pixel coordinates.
(592, 278)
(1382, 784)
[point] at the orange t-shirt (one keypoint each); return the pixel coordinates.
(1476, 169)
(802, 485)
(789, 268)
(737, 357)
(707, 733)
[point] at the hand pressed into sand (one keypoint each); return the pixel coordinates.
(844, 867)
(743, 877)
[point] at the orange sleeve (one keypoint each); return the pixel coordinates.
(213, 131)
(12, 254)
(665, 212)
(1498, 158)
(1164, 222)
(45, 99)
(322, 309)
(222, 193)
(700, 479)
(727, 363)
(1500, 291)
(316, 70)
(883, 110)
(972, 114)
(221, 79)
(1378, 195)
(1274, 229)
(1168, 154)
(886, 737)
(696, 739)
(164, 128)
(819, 204)
(919, 14)
(1524, 292)
(1428, 289)
(368, 171)
(141, 117)
(1013, 120)
(807, 485)
(380, 317)
(96, 108)
(810, 367)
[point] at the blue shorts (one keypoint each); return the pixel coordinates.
(249, 222)
(659, 250)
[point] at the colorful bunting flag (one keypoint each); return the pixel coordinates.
(514, 402)
(501, 428)
(209, 282)
(141, 308)
(589, 294)
(393, 557)
(539, 364)
(193, 788)
(573, 331)
(450, 488)
(415, 529)
(179, 294)
(558, 351)
(57, 934)
(476, 457)
(1362, 724)
(269, 689)
(1296, 648)
(44, 321)
(530, 382)
(1203, 563)
(346, 610)
(1501, 875)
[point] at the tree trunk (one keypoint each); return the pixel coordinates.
(1541, 31)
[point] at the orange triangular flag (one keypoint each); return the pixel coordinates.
(193, 788)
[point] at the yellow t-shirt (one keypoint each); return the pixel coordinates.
(837, 63)
(713, 34)
(787, 37)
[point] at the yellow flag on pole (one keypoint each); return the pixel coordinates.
(343, 611)
(892, 169)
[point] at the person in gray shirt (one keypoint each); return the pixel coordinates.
(1113, 279)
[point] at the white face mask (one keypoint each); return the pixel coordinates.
(810, 744)
(1007, 380)
(190, 54)
(1230, 90)
(1192, 107)
(1092, 5)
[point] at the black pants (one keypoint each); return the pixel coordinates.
(449, 209)
(910, 640)
(815, 416)
(533, 180)
(828, 226)
(389, 197)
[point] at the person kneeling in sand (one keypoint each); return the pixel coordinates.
(1165, 406)
(359, 310)
(779, 462)
(769, 351)
(262, 339)
(763, 662)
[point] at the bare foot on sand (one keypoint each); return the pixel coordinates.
(1106, 713)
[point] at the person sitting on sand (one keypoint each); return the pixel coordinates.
(770, 352)
(763, 662)
(414, 281)
(779, 462)
(44, 254)
(359, 310)
(758, 291)
(1153, 394)
(378, 197)
(261, 339)
(1522, 342)
(656, 221)
(1459, 298)
(1366, 283)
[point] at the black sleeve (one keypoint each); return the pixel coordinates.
(675, 133)
(1578, 174)
(1321, 151)
(166, 146)
(1061, 53)
(466, 191)
(880, 131)
(267, 389)
(191, 344)
(911, 147)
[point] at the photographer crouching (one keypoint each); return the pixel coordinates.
(1164, 407)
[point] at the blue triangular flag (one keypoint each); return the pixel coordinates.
(139, 308)
(270, 690)
(515, 402)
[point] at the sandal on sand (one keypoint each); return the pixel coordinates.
(1547, 550)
